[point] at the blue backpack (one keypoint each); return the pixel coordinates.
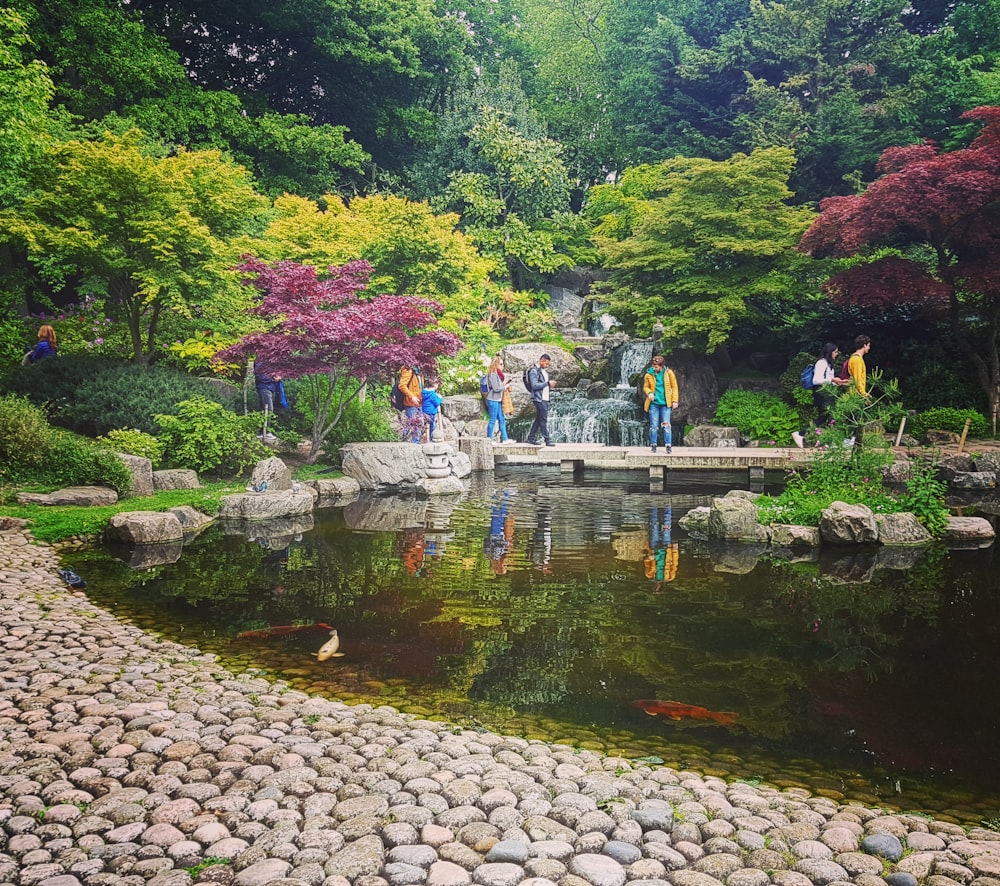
(806, 379)
(484, 385)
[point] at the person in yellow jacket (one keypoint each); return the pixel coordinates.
(661, 396)
(411, 385)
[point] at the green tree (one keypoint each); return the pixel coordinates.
(705, 245)
(150, 233)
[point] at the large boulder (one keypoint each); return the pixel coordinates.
(695, 522)
(82, 496)
(449, 485)
(901, 529)
(141, 470)
(144, 528)
(273, 472)
(176, 478)
(711, 436)
(969, 531)
(252, 506)
(192, 520)
(377, 465)
(335, 490)
(734, 518)
(463, 407)
(844, 524)
(788, 535)
(564, 370)
(973, 480)
(480, 452)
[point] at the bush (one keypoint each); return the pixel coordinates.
(757, 415)
(949, 419)
(93, 395)
(204, 436)
(134, 442)
(924, 498)
(24, 433)
(32, 451)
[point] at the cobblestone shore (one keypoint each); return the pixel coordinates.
(127, 760)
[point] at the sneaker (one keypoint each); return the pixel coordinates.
(652, 449)
(549, 443)
(532, 442)
(797, 437)
(670, 450)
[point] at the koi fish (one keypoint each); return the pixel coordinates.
(677, 710)
(281, 631)
(330, 647)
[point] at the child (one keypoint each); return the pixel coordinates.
(430, 406)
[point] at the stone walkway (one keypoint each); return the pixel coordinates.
(127, 760)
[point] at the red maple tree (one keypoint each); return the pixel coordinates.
(330, 330)
(928, 233)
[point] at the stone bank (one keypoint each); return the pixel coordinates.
(127, 760)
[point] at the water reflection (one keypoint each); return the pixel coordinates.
(547, 605)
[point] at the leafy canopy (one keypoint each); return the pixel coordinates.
(330, 330)
(149, 233)
(704, 244)
(927, 233)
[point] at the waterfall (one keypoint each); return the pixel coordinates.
(617, 420)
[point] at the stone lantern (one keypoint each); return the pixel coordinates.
(436, 456)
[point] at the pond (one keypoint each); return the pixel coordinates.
(575, 609)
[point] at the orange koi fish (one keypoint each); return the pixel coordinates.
(677, 710)
(281, 631)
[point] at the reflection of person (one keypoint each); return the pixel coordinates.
(540, 385)
(541, 540)
(413, 551)
(430, 405)
(659, 386)
(662, 554)
(410, 385)
(500, 540)
(496, 384)
(46, 346)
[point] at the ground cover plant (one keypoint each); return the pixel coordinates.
(757, 415)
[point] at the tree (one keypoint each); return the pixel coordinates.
(149, 233)
(704, 245)
(927, 233)
(330, 331)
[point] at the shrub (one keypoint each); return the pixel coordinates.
(757, 415)
(947, 418)
(24, 435)
(924, 498)
(55, 383)
(205, 436)
(134, 442)
(32, 451)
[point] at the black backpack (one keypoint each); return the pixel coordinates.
(396, 397)
(526, 378)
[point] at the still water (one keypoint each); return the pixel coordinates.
(546, 606)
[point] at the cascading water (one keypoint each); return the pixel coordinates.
(616, 420)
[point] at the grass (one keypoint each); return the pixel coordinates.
(50, 523)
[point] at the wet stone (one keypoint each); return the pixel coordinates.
(623, 853)
(899, 878)
(884, 845)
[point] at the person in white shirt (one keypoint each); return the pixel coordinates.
(823, 390)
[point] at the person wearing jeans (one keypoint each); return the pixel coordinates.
(661, 392)
(496, 383)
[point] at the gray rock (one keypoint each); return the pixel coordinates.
(144, 527)
(332, 490)
(364, 857)
(263, 872)
(901, 529)
(255, 506)
(842, 524)
(175, 478)
(81, 496)
(463, 407)
(790, 536)
(479, 450)
(192, 520)
(623, 853)
(509, 852)
(969, 530)
(439, 486)
(141, 470)
(599, 870)
(378, 465)
(712, 436)
(445, 873)
(498, 875)
(274, 472)
(695, 522)
(899, 878)
(973, 480)
(733, 518)
(821, 871)
(399, 873)
(883, 845)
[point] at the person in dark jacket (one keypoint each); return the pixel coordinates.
(540, 384)
(46, 346)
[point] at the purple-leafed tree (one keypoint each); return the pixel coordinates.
(330, 330)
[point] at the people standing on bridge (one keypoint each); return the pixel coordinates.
(540, 385)
(496, 383)
(661, 393)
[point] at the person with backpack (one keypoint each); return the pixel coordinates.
(822, 380)
(410, 385)
(661, 396)
(495, 382)
(538, 383)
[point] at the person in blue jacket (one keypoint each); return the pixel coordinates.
(430, 406)
(46, 346)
